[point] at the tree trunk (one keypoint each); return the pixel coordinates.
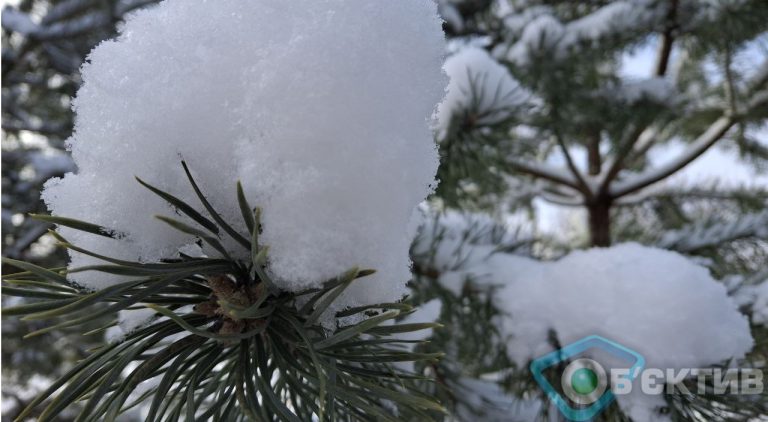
(600, 222)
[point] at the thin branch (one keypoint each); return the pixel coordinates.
(65, 9)
(647, 139)
(594, 160)
(714, 233)
(667, 39)
(730, 90)
(635, 136)
(562, 200)
(581, 184)
(638, 136)
(57, 129)
(714, 133)
(545, 172)
(701, 144)
(693, 194)
(17, 21)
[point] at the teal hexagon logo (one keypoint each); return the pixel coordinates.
(584, 383)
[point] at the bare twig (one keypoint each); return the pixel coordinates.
(581, 183)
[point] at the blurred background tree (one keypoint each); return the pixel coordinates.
(43, 45)
(591, 123)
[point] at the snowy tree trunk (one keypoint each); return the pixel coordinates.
(600, 222)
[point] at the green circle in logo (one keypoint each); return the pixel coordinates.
(584, 381)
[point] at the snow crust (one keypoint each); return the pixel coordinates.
(318, 107)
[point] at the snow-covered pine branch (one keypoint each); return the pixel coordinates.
(329, 195)
(707, 234)
(642, 296)
(756, 98)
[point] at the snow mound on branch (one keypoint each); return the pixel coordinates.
(654, 301)
(480, 87)
(655, 90)
(760, 304)
(318, 107)
(752, 294)
(538, 33)
(128, 321)
(641, 297)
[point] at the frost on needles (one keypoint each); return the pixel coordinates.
(319, 108)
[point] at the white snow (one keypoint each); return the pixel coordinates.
(539, 32)
(760, 304)
(319, 108)
(657, 90)
(450, 14)
(542, 33)
(536, 31)
(656, 302)
(752, 293)
(129, 320)
(18, 21)
(480, 87)
(450, 241)
(487, 400)
(49, 163)
(712, 233)
(426, 312)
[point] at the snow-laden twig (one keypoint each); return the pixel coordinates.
(709, 233)
(691, 194)
(616, 162)
(714, 133)
(65, 9)
(17, 21)
(307, 177)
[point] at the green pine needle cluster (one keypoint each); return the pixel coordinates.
(247, 350)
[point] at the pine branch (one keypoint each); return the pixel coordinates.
(714, 233)
(594, 160)
(543, 171)
(694, 194)
(700, 145)
(17, 21)
(667, 39)
(583, 187)
(243, 335)
(616, 163)
(713, 134)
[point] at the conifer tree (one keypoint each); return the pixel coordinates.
(272, 284)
